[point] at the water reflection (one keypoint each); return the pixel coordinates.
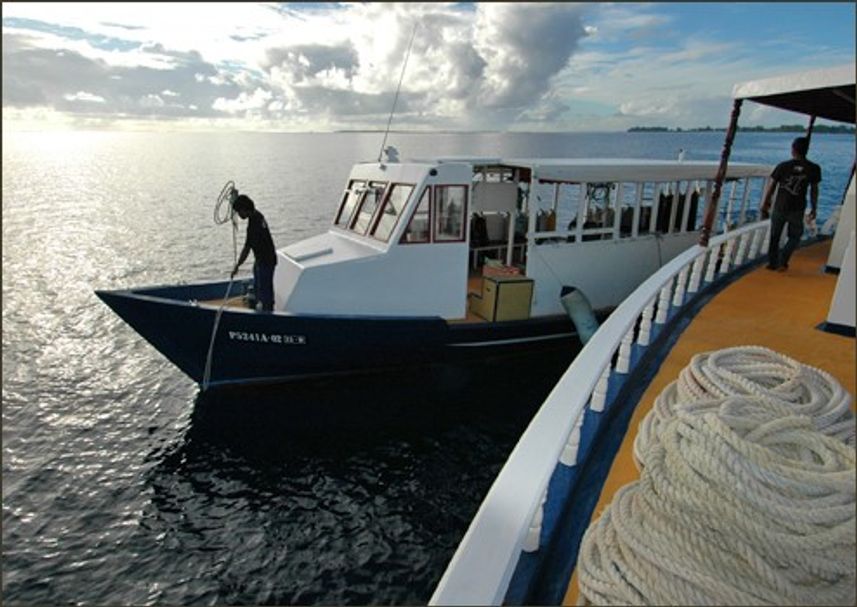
(344, 491)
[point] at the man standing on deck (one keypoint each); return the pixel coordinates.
(791, 180)
(259, 240)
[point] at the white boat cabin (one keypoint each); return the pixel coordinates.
(416, 238)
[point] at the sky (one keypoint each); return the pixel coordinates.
(471, 67)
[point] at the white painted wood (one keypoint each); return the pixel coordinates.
(635, 226)
(696, 274)
(510, 237)
(569, 452)
(713, 255)
(483, 564)
(842, 306)
(843, 229)
(726, 261)
(688, 194)
(627, 263)
(680, 285)
(744, 199)
(645, 334)
(623, 360)
(599, 393)
(663, 304)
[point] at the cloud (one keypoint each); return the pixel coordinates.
(503, 66)
(72, 82)
(84, 96)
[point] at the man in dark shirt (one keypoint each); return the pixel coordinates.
(791, 179)
(260, 241)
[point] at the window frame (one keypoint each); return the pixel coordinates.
(464, 212)
(429, 235)
(359, 209)
(345, 196)
(379, 213)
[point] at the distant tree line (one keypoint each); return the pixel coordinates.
(783, 128)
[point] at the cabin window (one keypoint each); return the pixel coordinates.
(392, 209)
(450, 205)
(418, 228)
(371, 199)
(349, 201)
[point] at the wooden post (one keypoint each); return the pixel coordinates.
(712, 202)
(809, 131)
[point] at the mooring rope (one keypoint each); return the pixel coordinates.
(742, 499)
(223, 213)
(755, 371)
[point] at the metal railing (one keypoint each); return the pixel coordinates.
(510, 517)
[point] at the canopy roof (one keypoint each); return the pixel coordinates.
(825, 93)
(593, 170)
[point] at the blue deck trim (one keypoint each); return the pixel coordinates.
(542, 577)
(831, 270)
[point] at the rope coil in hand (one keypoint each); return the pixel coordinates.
(744, 499)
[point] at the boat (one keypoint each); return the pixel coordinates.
(444, 259)
(535, 534)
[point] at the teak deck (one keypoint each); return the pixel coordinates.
(777, 310)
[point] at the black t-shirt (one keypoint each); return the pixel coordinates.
(793, 178)
(259, 239)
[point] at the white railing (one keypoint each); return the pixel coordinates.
(509, 519)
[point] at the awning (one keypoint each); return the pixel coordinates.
(825, 93)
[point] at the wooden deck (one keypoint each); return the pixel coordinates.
(765, 308)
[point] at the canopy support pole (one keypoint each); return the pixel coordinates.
(809, 130)
(713, 201)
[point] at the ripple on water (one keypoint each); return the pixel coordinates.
(121, 485)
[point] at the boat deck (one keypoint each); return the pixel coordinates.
(777, 310)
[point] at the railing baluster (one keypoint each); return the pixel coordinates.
(623, 361)
(726, 262)
(742, 249)
(599, 394)
(568, 457)
(645, 333)
(696, 274)
(681, 281)
(713, 252)
(754, 247)
(664, 303)
(531, 544)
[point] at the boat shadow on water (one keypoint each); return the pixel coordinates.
(336, 416)
(347, 491)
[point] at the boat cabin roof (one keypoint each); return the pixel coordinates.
(825, 93)
(591, 170)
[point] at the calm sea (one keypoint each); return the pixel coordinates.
(123, 485)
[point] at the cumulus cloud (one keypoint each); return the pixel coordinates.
(503, 66)
(482, 64)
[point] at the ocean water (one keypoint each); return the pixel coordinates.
(123, 485)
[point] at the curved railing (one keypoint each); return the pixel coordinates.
(510, 517)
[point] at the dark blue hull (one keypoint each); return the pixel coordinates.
(257, 347)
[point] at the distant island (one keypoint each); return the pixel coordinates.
(843, 129)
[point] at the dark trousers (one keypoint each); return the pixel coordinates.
(263, 280)
(794, 220)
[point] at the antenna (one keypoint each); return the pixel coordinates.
(398, 88)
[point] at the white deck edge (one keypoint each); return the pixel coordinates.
(481, 569)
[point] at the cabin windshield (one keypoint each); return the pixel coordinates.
(390, 212)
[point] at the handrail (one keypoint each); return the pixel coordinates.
(509, 518)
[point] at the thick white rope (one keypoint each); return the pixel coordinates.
(755, 371)
(741, 499)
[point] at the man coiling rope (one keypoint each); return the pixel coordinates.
(741, 499)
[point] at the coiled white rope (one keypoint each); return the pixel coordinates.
(740, 501)
(755, 371)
